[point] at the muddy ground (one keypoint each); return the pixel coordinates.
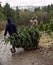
(42, 56)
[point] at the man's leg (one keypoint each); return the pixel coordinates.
(13, 48)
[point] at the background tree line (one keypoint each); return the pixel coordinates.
(22, 17)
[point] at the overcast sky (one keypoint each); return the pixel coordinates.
(27, 2)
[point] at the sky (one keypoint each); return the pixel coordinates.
(27, 2)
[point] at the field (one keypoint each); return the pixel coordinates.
(42, 56)
(27, 38)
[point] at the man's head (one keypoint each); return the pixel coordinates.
(33, 18)
(10, 20)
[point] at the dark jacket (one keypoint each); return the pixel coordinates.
(10, 27)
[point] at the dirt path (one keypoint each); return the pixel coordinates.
(41, 56)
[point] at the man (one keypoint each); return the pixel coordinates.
(10, 28)
(34, 22)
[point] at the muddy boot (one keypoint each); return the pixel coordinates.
(11, 50)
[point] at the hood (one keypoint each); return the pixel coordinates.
(10, 20)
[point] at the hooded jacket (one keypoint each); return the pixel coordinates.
(10, 27)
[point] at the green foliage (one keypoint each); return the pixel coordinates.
(48, 31)
(17, 12)
(1, 9)
(46, 27)
(42, 16)
(25, 17)
(41, 26)
(13, 15)
(51, 26)
(7, 10)
(17, 15)
(37, 9)
(1, 16)
(51, 20)
(28, 38)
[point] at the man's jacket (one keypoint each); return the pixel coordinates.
(10, 27)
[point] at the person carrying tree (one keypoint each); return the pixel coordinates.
(10, 28)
